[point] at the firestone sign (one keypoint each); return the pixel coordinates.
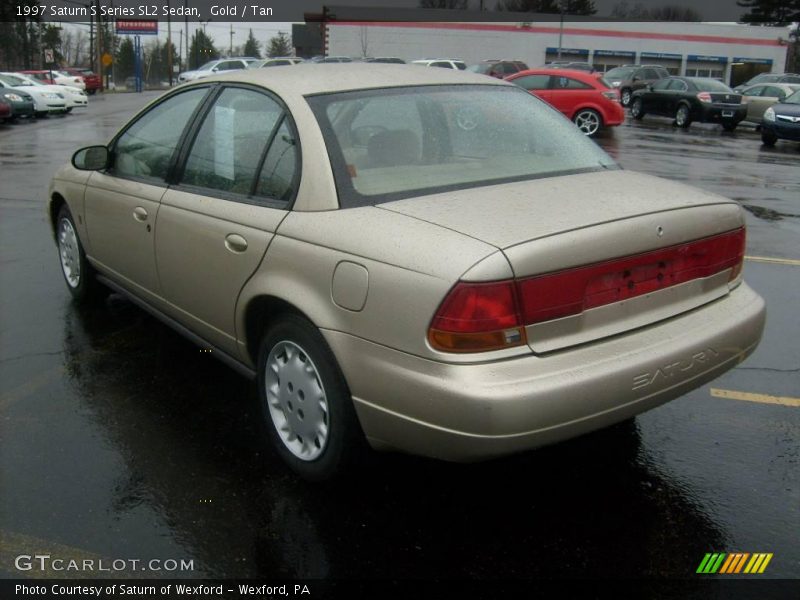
(141, 27)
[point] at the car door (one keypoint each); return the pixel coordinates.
(567, 94)
(676, 91)
(769, 95)
(538, 85)
(233, 187)
(121, 204)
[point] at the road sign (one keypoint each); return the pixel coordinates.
(107, 59)
(48, 55)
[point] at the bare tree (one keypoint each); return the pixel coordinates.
(363, 34)
(451, 4)
(674, 12)
(625, 10)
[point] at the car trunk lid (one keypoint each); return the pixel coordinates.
(553, 225)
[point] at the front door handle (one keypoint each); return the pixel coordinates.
(140, 214)
(235, 243)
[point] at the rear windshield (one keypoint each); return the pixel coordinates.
(620, 73)
(396, 143)
(711, 85)
(482, 68)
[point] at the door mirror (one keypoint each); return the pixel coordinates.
(93, 158)
(636, 78)
(215, 69)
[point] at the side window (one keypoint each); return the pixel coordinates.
(533, 82)
(774, 92)
(755, 91)
(226, 153)
(278, 173)
(676, 85)
(146, 147)
(567, 83)
(445, 65)
(662, 84)
(509, 68)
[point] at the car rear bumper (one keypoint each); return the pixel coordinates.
(471, 412)
(721, 113)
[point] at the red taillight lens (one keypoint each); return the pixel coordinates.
(476, 317)
(572, 291)
(704, 97)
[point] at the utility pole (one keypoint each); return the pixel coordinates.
(186, 29)
(98, 58)
(169, 44)
(230, 51)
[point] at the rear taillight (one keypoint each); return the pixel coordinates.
(476, 317)
(612, 95)
(704, 97)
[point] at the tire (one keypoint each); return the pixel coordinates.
(625, 96)
(768, 138)
(69, 110)
(78, 273)
(588, 121)
(42, 114)
(91, 92)
(637, 110)
(306, 408)
(683, 116)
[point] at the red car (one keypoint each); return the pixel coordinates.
(5, 111)
(90, 78)
(583, 97)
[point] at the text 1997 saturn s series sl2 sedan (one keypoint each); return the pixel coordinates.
(435, 262)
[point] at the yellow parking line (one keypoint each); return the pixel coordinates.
(778, 261)
(762, 398)
(29, 387)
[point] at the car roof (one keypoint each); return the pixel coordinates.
(576, 73)
(305, 79)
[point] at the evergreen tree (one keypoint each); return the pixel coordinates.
(568, 7)
(125, 63)
(51, 38)
(252, 47)
(279, 45)
(771, 12)
(201, 50)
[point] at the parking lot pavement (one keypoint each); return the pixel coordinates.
(119, 439)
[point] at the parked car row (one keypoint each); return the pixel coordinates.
(29, 97)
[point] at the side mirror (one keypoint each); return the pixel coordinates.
(215, 69)
(636, 78)
(93, 158)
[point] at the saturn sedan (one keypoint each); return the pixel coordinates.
(417, 260)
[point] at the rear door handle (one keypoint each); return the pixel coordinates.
(140, 214)
(235, 243)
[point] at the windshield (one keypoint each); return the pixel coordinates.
(15, 81)
(400, 142)
(483, 68)
(208, 66)
(620, 73)
(793, 99)
(711, 85)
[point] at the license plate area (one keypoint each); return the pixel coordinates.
(727, 113)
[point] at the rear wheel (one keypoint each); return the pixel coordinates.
(625, 97)
(768, 138)
(637, 110)
(729, 126)
(683, 116)
(588, 121)
(305, 404)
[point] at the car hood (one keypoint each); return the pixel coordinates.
(510, 214)
(792, 110)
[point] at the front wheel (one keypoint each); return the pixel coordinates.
(637, 110)
(683, 116)
(768, 138)
(588, 121)
(729, 126)
(75, 268)
(306, 407)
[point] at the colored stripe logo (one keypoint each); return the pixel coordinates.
(734, 563)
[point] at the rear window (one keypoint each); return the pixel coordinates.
(711, 85)
(400, 142)
(620, 73)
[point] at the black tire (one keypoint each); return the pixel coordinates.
(91, 92)
(588, 121)
(683, 116)
(284, 392)
(729, 126)
(81, 281)
(637, 110)
(768, 138)
(42, 114)
(625, 96)
(69, 110)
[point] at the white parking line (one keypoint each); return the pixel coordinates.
(777, 261)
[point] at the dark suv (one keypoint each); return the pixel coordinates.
(629, 78)
(498, 68)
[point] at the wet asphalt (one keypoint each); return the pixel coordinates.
(119, 439)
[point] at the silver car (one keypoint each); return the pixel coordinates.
(418, 260)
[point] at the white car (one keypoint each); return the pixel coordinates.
(445, 63)
(73, 96)
(45, 101)
(216, 67)
(66, 79)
